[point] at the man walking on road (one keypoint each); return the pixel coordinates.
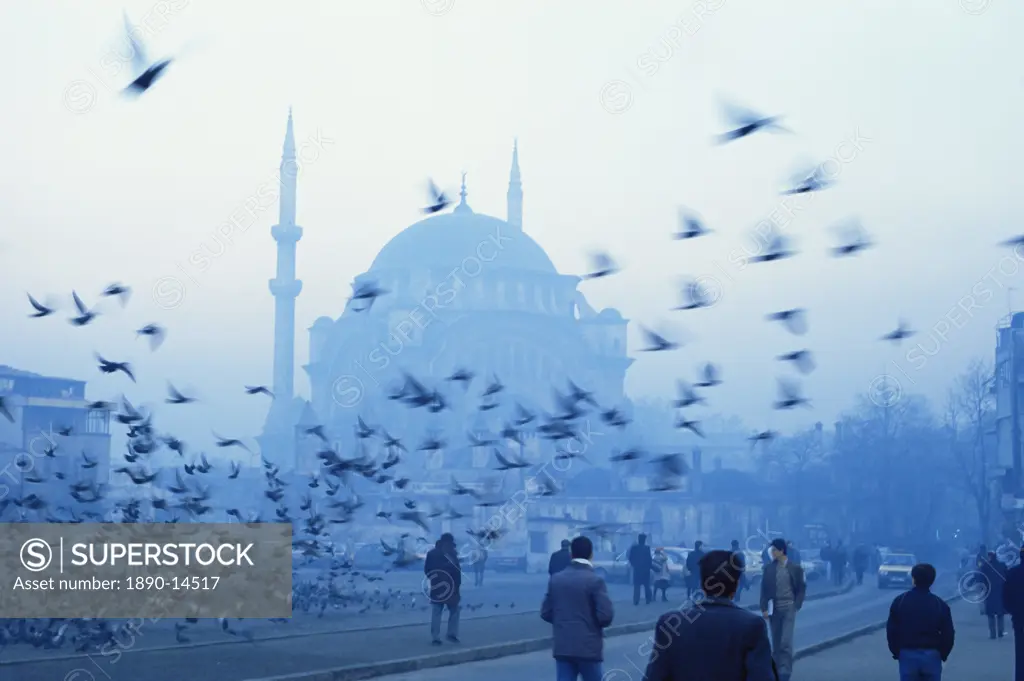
(920, 628)
(444, 575)
(560, 559)
(640, 561)
(716, 639)
(860, 562)
(1013, 603)
(782, 585)
(578, 608)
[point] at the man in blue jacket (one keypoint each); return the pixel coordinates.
(920, 628)
(579, 609)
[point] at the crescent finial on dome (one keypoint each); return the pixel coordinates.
(463, 207)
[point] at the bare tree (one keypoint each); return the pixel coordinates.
(888, 482)
(970, 414)
(796, 464)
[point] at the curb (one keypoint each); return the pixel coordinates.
(273, 636)
(849, 636)
(480, 654)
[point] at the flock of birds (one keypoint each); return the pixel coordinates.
(379, 456)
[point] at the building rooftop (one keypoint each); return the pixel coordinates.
(10, 372)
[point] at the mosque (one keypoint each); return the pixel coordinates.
(464, 290)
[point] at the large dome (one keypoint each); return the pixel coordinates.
(447, 239)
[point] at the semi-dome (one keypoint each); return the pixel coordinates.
(447, 239)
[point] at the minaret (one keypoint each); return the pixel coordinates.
(515, 191)
(285, 287)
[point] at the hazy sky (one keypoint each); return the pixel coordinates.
(614, 104)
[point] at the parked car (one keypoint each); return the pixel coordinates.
(754, 570)
(895, 570)
(612, 567)
(814, 567)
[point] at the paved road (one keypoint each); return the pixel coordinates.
(147, 655)
(974, 658)
(625, 657)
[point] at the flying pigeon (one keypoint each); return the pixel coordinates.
(41, 310)
(746, 122)
(146, 71)
(438, 199)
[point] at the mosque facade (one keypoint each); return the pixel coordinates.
(464, 290)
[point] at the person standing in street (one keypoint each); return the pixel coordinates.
(660, 573)
(640, 563)
(1013, 603)
(740, 559)
(444, 575)
(920, 628)
(839, 559)
(560, 559)
(479, 565)
(783, 586)
(860, 562)
(578, 608)
(693, 569)
(715, 640)
(993, 573)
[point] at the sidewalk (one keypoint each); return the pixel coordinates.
(975, 657)
(520, 602)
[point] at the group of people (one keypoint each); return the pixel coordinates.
(839, 559)
(725, 642)
(651, 568)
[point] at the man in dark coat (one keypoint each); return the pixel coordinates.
(714, 639)
(782, 585)
(693, 568)
(839, 560)
(578, 608)
(826, 556)
(1013, 603)
(560, 559)
(993, 575)
(445, 580)
(640, 561)
(860, 562)
(920, 628)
